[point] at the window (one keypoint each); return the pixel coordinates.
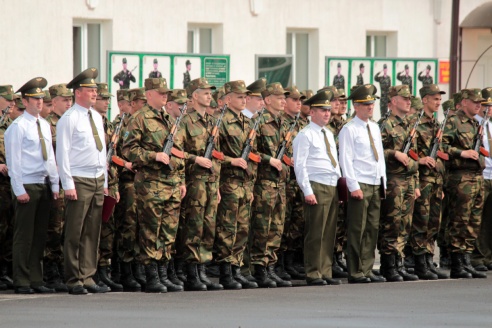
(86, 46)
(298, 47)
(200, 40)
(376, 46)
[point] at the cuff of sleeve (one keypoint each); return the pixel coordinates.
(352, 185)
(152, 155)
(308, 191)
(55, 188)
(265, 158)
(68, 185)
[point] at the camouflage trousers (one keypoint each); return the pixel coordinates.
(341, 232)
(426, 217)
(396, 215)
(6, 222)
(158, 205)
(267, 221)
(465, 204)
(54, 242)
(484, 244)
(107, 236)
(383, 104)
(198, 221)
(442, 233)
(125, 217)
(292, 238)
(233, 219)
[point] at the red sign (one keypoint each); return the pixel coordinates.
(444, 72)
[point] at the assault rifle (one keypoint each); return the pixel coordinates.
(5, 114)
(384, 119)
(210, 149)
(477, 143)
(411, 136)
(246, 153)
(110, 158)
(436, 142)
(286, 142)
(169, 144)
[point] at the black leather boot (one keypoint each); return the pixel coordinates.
(421, 268)
(279, 281)
(402, 271)
(162, 270)
(444, 258)
(181, 269)
(469, 267)
(337, 271)
(193, 282)
(127, 279)
(213, 270)
(138, 273)
(171, 274)
(226, 278)
(115, 269)
(262, 277)
(457, 270)
(53, 279)
(202, 274)
(432, 268)
(238, 276)
(290, 268)
(106, 279)
(280, 269)
(4, 278)
(388, 268)
(153, 284)
(338, 257)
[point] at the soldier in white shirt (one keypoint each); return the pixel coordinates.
(34, 180)
(362, 163)
(317, 173)
(81, 157)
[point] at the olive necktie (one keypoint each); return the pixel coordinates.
(94, 132)
(328, 149)
(372, 144)
(490, 139)
(41, 140)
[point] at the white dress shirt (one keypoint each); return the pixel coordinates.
(25, 157)
(311, 160)
(356, 155)
(246, 112)
(76, 150)
(487, 172)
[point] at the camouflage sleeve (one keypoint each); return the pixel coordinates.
(132, 147)
(116, 78)
(448, 138)
(389, 152)
(420, 76)
(377, 78)
(180, 139)
(398, 76)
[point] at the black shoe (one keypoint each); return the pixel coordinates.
(388, 268)
(421, 268)
(489, 266)
(316, 282)
(127, 279)
(444, 258)
(279, 281)
(181, 270)
(43, 290)
(193, 282)
(162, 270)
(375, 278)
(171, 274)
(409, 262)
(359, 280)
(78, 290)
(139, 273)
(3, 286)
(202, 274)
(24, 290)
(104, 277)
(226, 279)
(457, 269)
(238, 276)
(262, 277)
(4, 278)
(97, 289)
(338, 257)
(212, 270)
(481, 267)
(468, 267)
(337, 271)
(53, 278)
(402, 271)
(333, 282)
(290, 269)
(153, 284)
(432, 267)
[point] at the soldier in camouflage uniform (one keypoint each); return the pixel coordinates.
(339, 79)
(384, 85)
(360, 77)
(268, 217)
(199, 207)
(53, 258)
(47, 105)
(159, 186)
(155, 73)
(415, 105)
(294, 216)
(305, 109)
(124, 77)
(396, 210)
(234, 209)
(464, 185)
(7, 98)
(427, 212)
(427, 79)
(405, 78)
(186, 76)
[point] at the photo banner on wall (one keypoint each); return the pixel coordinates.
(128, 70)
(345, 72)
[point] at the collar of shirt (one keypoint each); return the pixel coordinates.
(357, 120)
(30, 117)
(479, 118)
(316, 127)
(246, 112)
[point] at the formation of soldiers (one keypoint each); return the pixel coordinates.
(205, 184)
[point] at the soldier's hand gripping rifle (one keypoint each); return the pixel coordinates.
(169, 144)
(409, 142)
(5, 114)
(248, 145)
(210, 149)
(436, 142)
(477, 143)
(280, 155)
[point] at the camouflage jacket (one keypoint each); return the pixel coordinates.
(112, 170)
(123, 173)
(405, 80)
(384, 83)
(339, 81)
(272, 131)
(335, 125)
(234, 133)
(193, 135)
(426, 131)
(155, 74)
(425, 79)
(53, 119)
(459, 134)
(4, 180)
(394, 133)
(360, 80)
(144, 138)
(126, 77)
(301, 124)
